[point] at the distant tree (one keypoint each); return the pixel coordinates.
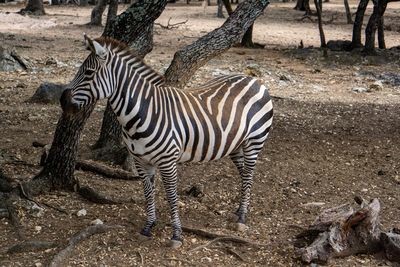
(303, 5)
(375, 19)
(358, 22)
(97, 12)
(34, 7)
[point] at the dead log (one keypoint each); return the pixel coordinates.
(345, 231)
(33, 245)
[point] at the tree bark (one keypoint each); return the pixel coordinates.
(59, 167)
(318, 6)
(193, 56)
(35, 7)
(381, 34)
(358, 22)
(348, 12)
(97, 13)
(370, 30)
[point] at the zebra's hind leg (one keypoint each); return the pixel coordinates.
(250, 153)
(147, 173)
(169, 177)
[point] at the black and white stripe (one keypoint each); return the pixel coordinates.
(162, 125)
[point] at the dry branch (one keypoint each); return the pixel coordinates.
(171, 26)
(92, 166)
(95, 197)
(63, 255)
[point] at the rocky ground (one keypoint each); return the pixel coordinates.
(336, 135)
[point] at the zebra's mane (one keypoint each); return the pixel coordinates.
(119, 46)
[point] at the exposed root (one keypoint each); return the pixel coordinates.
(63, 255)
(96, 197)
(141, 258)
(234, 253)
(92, 166)
(33, 245)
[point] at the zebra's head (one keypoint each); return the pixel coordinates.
(88, 85)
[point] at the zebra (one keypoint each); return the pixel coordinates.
(162, 125)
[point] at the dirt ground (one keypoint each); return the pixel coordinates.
(328, 142)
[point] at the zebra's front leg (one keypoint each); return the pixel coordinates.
(169, 177)
(147, 173)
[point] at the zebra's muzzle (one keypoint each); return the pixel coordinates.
(68, 106)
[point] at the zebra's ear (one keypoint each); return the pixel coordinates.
(88, 43)
(99, 50)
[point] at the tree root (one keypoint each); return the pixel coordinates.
(171, 26)
(92, 166)
(64, 254)
(96, 197)
(32, 245)
(219, 238)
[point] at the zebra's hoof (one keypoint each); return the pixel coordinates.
(174, 243)
(241, 227)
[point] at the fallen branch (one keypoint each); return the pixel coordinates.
(95, 197)
(29, 246)
(64, 254)
(234, 253)
(92, 166)
(229, 239)
(171, 26)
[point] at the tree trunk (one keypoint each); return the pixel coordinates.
(247, 40)
(370, 30)
(112, 12)
(193, 56)
(381, 34)
(348, 12)
(97, 13)
(318, 6)
(60, 165)
(228, 7)
(358, 22)
(220, 14)
(303, 5)
(35, 7)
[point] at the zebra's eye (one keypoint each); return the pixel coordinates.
(89, 72)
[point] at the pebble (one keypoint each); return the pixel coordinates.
(206, 259)
(359, 89)
(81, 213)
(38, 228)
(97, 221)
(38, 264)
(376, 86)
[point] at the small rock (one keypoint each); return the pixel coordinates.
(376, 86)
(253, 70)
(193, 240)
(38, 228)
(81, 213)
(359, 89)
(37, 211)
(48, 93)
(397, 179)
(38, 264)
(206, 259)
(97, 221)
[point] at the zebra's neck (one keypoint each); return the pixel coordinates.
(133, 96)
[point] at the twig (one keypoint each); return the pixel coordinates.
(229, 239)
(181, 260)
(89, 165)
(32, 245)
(141, 258)
(64, 254)
(234, 253)
(171, 26)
